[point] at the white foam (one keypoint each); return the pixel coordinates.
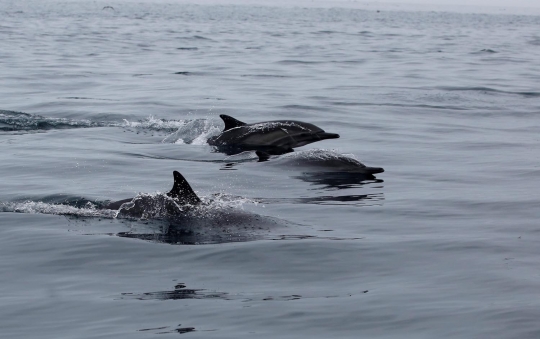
(35, 207)
(194, 132)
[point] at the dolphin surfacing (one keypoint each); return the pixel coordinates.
(323, 167)
(322, 161)
(273, 137)
(184, 219)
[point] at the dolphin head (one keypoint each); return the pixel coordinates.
(305, 133)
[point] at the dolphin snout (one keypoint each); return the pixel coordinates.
(324, 135)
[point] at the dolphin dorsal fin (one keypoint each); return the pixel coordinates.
(231, 122)
(182, 192)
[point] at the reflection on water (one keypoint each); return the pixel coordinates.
(338, 180)
(188, 237)
(356, 200)
(180, 292)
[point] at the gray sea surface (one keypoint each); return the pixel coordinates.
(102, 100)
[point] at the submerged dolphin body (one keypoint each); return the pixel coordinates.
(273, 137)
(323, 161)
(322, 167)
(190, 221)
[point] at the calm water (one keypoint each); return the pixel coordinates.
(102, 104)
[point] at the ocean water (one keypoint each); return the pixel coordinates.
(102, 103)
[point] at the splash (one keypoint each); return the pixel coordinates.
(151, 206)
(144, 206)
(221, 201)
(11, 121)
(195, 132)
(153, 123)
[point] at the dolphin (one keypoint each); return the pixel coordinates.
(322, 161)
(190, 221)
(322, 167)
(273, 137)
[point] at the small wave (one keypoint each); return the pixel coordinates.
(85, 98)
(351, 62)
(485, 51)
(265, 76)
(298, 62)
(200, 37)
(303, 107)
(195, 37)
(454, 108)
(187, 48)
(489, 90)
(326, 32)
(366, 33)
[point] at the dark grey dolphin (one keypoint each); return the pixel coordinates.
(274, 137)
(181, 194)
(190, 221)
(327, 168)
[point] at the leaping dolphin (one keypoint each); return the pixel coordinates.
(273, 137)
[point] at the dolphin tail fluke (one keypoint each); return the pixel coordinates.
(373, 170)
(182, 191)
(231, 122)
